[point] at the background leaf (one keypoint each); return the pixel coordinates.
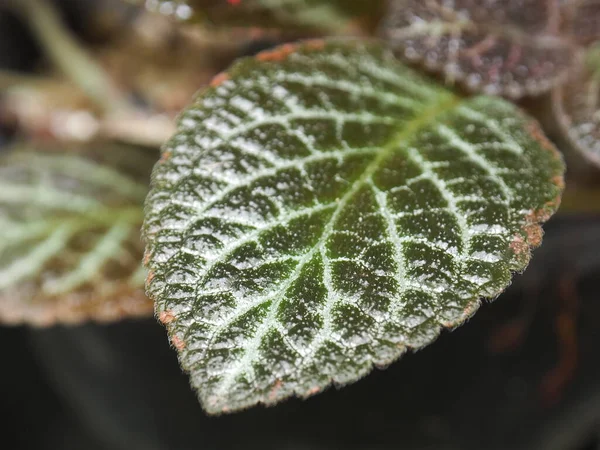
(503, 47)
(69, 237)
(322, 208)
(328, 15)
(576, 108)
(585, 20)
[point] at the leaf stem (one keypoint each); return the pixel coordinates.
(9, 78)
(593, 59)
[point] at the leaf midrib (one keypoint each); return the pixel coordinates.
(428, 115)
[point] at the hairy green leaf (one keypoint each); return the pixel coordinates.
(322, 209)
(70, 245)
(501, 47)
(576, 108)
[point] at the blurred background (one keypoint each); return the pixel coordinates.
(524, 373)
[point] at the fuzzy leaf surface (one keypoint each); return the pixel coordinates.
(322, 209)
(70, 245)
(501, 47)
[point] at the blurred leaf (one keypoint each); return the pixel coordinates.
(576, 106)
(501, 47)
(328, 15)
(322, 209)
(585, 20)
(69, 238)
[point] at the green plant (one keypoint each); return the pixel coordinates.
(323, 206)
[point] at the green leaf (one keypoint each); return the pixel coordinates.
(576, 109)
(500, 47)
(328, 15)
(70, 245)
(322, 209)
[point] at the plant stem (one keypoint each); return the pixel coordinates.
(121, 120)
(8, 79)
(70, 57)
(149, 131)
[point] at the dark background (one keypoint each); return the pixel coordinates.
(98, 387)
